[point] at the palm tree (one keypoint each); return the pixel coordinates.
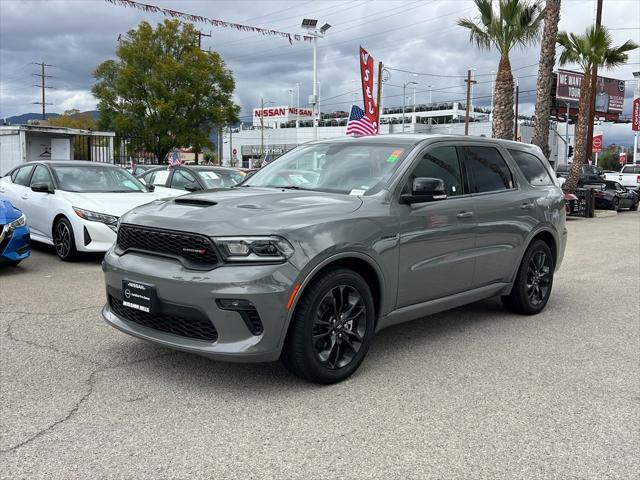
(545, 76)
(594, 48)
(516, 22)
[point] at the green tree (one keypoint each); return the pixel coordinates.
(545, 75)
(515, 22)
(595, 47)
(164, 88)
(74, 119)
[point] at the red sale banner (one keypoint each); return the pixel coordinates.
(366, 72)
(635, 115)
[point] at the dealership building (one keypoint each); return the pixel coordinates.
(276, 130)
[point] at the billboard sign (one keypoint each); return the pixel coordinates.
(609, 91)
(596, 146)
(635, 115)
(280, 114)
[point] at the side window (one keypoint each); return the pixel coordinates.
(181, 178)
(532, 168)
(488, 172)
(157, 178)
(22, 175)
(442, 163)
(41, 175)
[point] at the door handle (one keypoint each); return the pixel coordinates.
(465, 215)
(526, 206)
(24, 197)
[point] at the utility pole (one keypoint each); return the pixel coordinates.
(231, 145)
(200, 35)
(42, 86)
(469, 82)
(262, 104)
(594, 83)
(515, 126)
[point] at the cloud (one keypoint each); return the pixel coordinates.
(419, 36)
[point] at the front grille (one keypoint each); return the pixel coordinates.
(195, 326)
(195, 251)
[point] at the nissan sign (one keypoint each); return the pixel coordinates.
(280, 115)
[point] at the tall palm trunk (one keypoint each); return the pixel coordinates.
(580, 153)
(545, 76)
(503, 104)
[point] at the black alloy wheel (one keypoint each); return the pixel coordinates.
(532, 286)
(615, 204)
(63, 240)
(538, 277)
(331, 328)
(339, 327)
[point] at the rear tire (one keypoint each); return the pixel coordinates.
(533, 283)
(64, 241)
(331, 329)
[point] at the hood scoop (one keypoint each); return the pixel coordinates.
(195, 202)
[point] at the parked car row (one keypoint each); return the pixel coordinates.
(75, 205)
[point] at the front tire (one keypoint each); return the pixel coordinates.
(634, 207)
(331, 329)
(615, 205)
(532, 287)
(64, 240)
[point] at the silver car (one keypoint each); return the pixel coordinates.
(388, 229)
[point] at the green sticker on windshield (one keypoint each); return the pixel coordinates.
(394, 155)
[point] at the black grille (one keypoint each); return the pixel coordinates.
(195, 326)
(195, 251)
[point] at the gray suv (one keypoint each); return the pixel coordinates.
(336, 240)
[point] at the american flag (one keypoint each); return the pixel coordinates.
(360, 125)
(174, 158)
(266, 161)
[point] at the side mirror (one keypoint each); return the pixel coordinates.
(191, 187)
(425, 189)
(151, 188)
(42, 187)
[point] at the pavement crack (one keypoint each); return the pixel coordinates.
(61, 313)
(90, 383)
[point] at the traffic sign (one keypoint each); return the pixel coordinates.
(596, 146)
(235, 151)
(622, 159)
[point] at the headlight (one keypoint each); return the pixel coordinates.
(254, 249)
(17, 223)
(109, 220)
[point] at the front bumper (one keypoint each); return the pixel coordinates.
(15, 246)
(92, 236)
(267, 287)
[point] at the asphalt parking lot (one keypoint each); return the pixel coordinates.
(472, 393)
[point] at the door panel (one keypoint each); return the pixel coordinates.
(39, 205)
(505, 213)
(437, 256)
(437, 239)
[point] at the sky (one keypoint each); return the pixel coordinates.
(421, 36)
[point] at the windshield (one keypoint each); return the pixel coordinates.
(349, 168)
(98, 178)
(221, 178)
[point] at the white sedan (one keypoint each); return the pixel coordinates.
(74, 205)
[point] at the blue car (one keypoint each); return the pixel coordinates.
(14, 234)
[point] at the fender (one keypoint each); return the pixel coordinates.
(309, 276)
(545, 227)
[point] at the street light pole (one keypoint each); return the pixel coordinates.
(262, 104)
(310, 25)
(297, 106)
(404, 100)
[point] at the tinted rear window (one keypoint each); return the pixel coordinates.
(532, 168)
(487, 170)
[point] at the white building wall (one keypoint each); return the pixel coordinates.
(10, 152)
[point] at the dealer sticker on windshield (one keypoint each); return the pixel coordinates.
(356, 191)
(394, 155)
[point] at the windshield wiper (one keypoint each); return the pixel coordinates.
(289, 187)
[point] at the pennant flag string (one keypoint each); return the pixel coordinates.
(211, 21)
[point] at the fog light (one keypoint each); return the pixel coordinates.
(234, 304)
